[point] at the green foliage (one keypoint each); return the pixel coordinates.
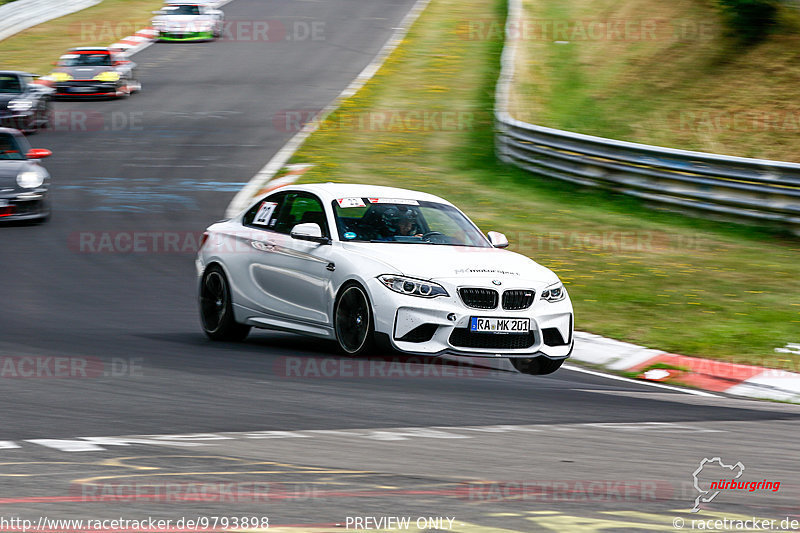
(750, 20)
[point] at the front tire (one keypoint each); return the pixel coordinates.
(216, 308)
(353, 321)
(537, 366)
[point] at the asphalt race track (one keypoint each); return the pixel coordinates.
(303, 437)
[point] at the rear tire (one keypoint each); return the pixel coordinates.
(353, 321)
(537, 366)
(216, 308)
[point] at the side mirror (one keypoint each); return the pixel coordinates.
(309, 231)
(497, 239)
(38, 153)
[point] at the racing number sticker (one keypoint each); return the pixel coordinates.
(265, 213)
(350, 202)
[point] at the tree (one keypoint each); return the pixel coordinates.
(750, 20)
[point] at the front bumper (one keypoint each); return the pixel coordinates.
(185, 36)
(87, 89)
(29, 205)
(440, 326)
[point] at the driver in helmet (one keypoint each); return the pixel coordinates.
(401, 223)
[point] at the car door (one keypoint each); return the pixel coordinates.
(245, 247)
(292, 277)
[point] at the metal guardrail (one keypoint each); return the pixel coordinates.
(736, 187)
(23, 14)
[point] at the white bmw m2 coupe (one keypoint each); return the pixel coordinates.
(361, 265)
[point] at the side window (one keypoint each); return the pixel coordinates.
(301, 208)
(263, 215)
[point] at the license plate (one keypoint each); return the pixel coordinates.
(500, 325)
(82, 89)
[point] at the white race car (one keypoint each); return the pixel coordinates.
(188, 21)
(362, 264)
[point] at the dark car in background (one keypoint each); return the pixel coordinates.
(94, 72)
(24, 182)
(24, 104)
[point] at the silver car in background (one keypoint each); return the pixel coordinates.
(24, 182)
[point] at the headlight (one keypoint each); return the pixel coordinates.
(412, 287)
(60, 76)
(108, 76)
(554, 293)
(20, 105)
(30, 179)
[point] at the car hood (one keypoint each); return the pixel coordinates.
(84, 73)
(460, 264)
(183, 19)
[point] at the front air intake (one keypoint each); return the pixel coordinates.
(516, 300)
(477, 298)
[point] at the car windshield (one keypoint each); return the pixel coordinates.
(10, 84)
(99, 59)
(182, 10)
(404, 221)
(9, 149)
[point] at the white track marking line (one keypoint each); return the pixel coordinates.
(201, 440)
(648, 383)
